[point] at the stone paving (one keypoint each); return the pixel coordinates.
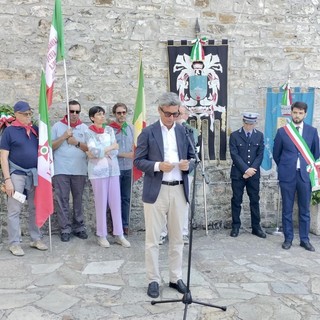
(79, 280)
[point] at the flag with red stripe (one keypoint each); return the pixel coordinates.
(43, 194)
(287, 96)
(139, 116)
(55, 49)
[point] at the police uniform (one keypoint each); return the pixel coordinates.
(246, 150)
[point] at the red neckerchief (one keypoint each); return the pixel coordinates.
(6, 120)
(28, 127)
(119, 127)
(96, 129)
(72, 125)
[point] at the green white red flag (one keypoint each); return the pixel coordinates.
(197, 52)
(55, 49)
(139, 116)
(43, 194)
(286, 97)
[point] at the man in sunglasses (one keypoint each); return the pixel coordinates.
(70, 171)
(163, 153)
(124, 135)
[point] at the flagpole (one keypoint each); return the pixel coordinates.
(50, 238)
(67, 91)
(130, 204)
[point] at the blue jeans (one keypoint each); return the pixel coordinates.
(125, 187)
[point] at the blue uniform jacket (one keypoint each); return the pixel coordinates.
(246, 153)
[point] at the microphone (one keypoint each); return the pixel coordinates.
(188, 129)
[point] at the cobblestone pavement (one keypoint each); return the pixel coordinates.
(79, 280)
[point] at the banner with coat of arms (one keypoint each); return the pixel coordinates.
(198, 74)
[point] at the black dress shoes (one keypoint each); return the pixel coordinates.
(286, 245)
(259, 233)
(307, 245)
(65, 237)
(234, 232)
(153, 290)
(81, 234)
(179, 286)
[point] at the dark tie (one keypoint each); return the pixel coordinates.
(248, 135)
(298, 129)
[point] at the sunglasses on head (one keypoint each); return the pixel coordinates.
(74, 111)
(169, 114)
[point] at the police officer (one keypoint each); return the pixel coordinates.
(246, 150)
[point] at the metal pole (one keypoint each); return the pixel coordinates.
(204, 188)
(277, 231)
(50, 238)
(199, 127)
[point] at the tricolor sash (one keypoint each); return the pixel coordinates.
(313, 166)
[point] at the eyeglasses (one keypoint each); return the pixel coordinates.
(74, 111)
(26, 114)
(169, 114)
(121, 112)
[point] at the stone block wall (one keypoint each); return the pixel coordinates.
(268, 41)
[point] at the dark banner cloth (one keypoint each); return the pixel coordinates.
(202, 87)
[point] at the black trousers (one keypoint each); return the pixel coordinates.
(253, 188)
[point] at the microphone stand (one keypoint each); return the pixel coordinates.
(187, 297)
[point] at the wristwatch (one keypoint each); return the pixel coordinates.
(78, 145)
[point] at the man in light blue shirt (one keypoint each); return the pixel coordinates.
(70, 171)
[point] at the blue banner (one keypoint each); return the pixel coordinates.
(276, 116)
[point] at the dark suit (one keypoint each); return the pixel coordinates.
(163, 203)
(245, 153)
(285, 154)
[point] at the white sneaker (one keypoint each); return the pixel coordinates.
(185, 239)
(162, 240)
(123, 241)
(16, 250)
(38, 244)
(103, 242)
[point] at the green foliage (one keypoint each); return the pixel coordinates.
(315, 197)
(6, 109)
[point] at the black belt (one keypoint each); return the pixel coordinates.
(172, 183)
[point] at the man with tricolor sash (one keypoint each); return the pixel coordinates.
(295, 151)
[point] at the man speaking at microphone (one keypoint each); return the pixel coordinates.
(163, 153)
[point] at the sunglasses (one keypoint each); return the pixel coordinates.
(169, 114)
(74, 111)
(26, 114)
(121, 112)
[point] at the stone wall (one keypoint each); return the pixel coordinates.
(268, 40)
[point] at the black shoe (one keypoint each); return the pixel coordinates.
(65, 237)
(81, 234)
(286, 245)
(234, 232)
(153, 290)
(179, 286)
(259, 233)
(307, 245)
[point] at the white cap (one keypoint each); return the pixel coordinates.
(250, 117)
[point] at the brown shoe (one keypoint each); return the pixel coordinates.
(126, 231)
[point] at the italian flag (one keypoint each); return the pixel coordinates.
(43, 194)
(286, 97)
(139, 116)
(55, 49)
